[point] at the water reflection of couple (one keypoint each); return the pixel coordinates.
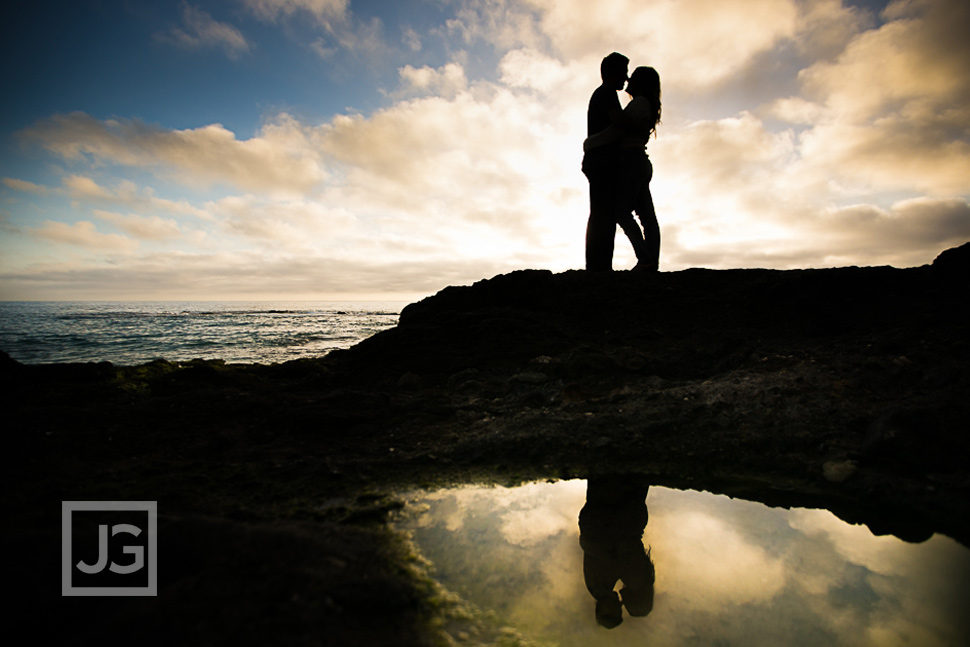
(611, 534)
(616, 164)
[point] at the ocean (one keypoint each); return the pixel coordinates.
(130, 333)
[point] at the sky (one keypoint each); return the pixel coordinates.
(345, 149)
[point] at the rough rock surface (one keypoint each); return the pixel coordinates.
(840, 388)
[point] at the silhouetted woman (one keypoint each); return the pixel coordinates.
(626, 140)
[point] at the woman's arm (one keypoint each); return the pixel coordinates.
(635, 118)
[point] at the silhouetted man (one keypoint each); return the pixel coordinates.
(604, 107)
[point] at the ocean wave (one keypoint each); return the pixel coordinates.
(134, 333)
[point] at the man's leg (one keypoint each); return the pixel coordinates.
(601, 228)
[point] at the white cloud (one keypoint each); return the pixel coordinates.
(342, 31)
(896, 113)
(296, 225)
(917, 223)
(411, 39)
(84, 188)
(25, 186)
(323, 10)
(500, 23)
(693, 43)
(825, 27)
(730, 571)
(200, 31)
(912, 63)
(530, 68)
(735, 151)
(84, 234)
(795, 110)
(280, 158)
(80, 186)
(142, 227)
(239, 273)
(446, 81)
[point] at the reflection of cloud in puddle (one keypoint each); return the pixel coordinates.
(916, 590)
(702, 559)
(538, 515)
(529, 514)
(728, 571)
(884, 555)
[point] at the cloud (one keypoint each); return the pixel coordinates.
(25, 186)
(896, 102)
(279, 158)
(342, 30)
(307, 226)
(738, 572)
(476, 175)
(83, 188)
(142, 227)
(484, 172)
(502, 25)
(446, 81)
(84, 234)
(256, 274)
(323, 11)
(794, 110)
(916, 223)
(80, 186)
(825, 27)
(530, 68)
(731, 193)
(412, 39)
(907, 234)
(693, 43)
(717, 154)
(200, 31)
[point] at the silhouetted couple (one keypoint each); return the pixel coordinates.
(616, 164)
(610, 532)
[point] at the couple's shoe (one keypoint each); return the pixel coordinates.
(644, 268)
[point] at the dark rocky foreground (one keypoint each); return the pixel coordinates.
(843, 388)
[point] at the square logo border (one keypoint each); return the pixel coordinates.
(68, 507)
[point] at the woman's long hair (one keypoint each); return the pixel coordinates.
(646, 80)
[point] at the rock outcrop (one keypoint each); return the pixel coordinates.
(841, 388)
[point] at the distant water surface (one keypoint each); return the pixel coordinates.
(127, 333)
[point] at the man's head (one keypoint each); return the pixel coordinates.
(613, 70)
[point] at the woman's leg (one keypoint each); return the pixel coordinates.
(648, 220)
(632, 231)
(635, 167)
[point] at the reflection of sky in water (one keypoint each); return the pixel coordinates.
(728, 572)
